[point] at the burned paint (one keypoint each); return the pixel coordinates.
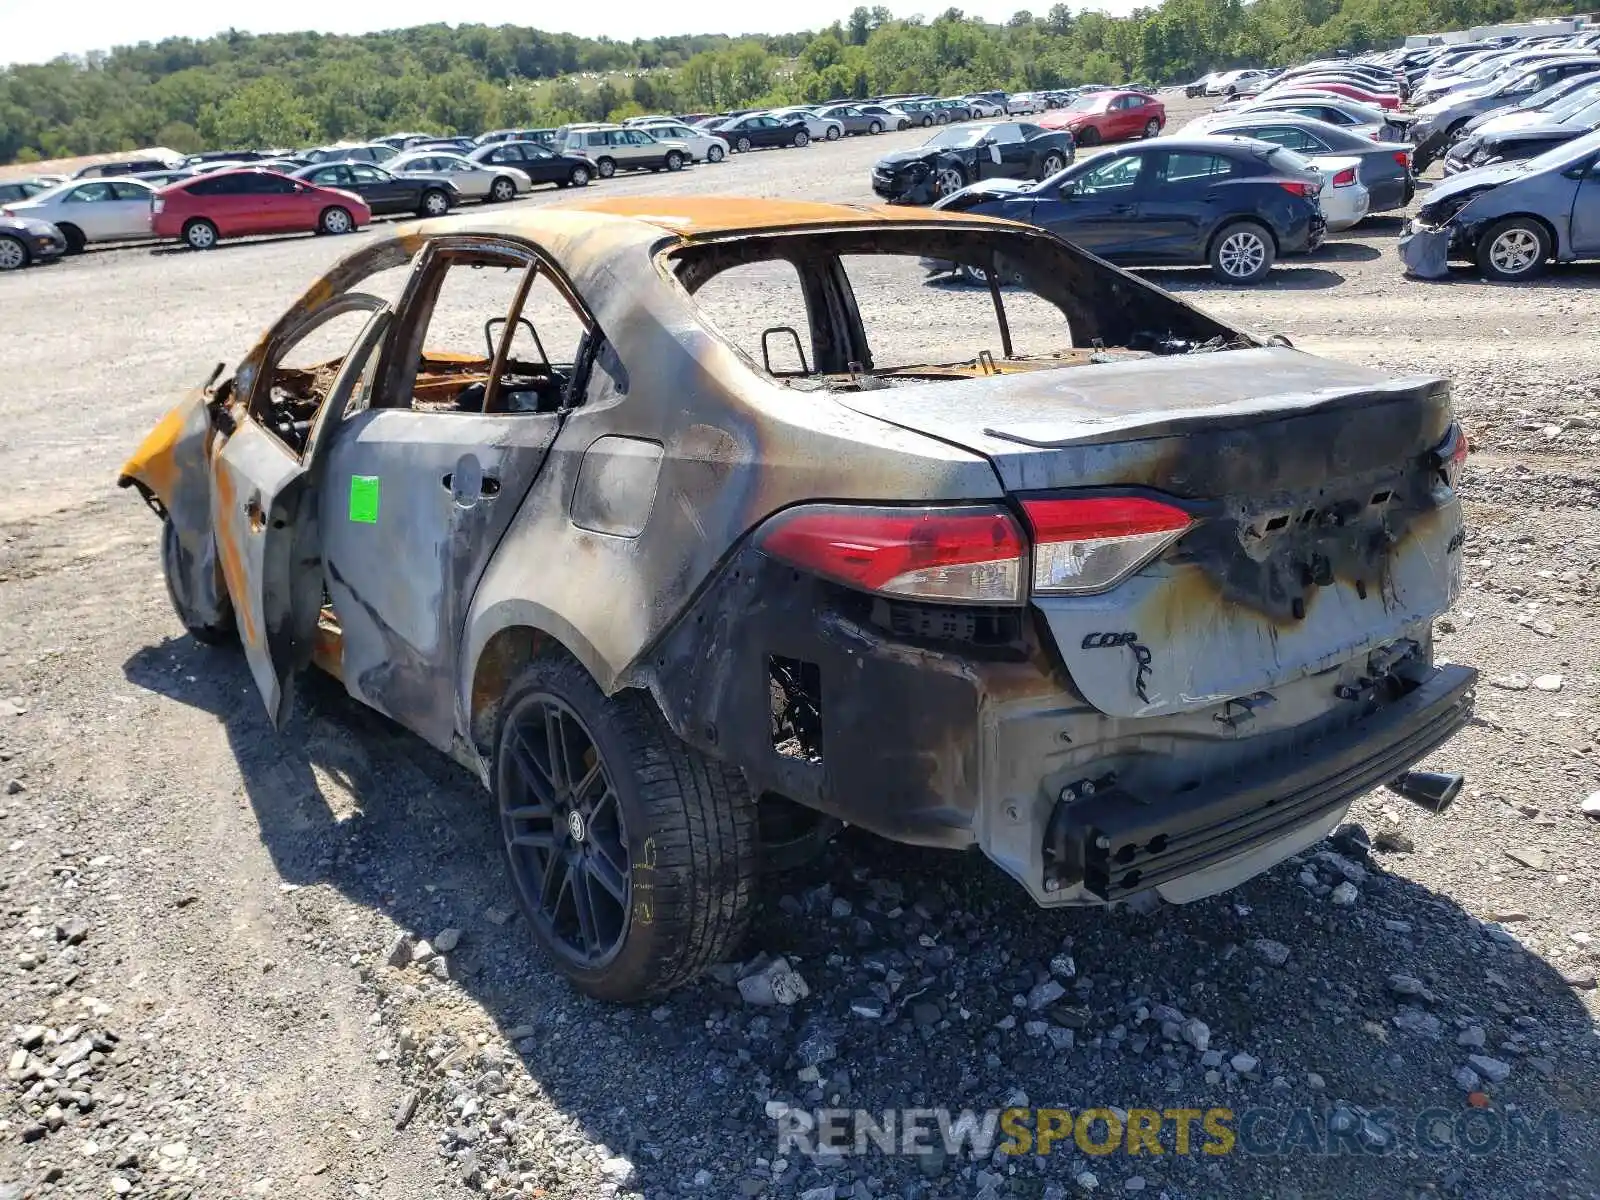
(946, 725)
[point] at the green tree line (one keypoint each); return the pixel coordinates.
(283, 90)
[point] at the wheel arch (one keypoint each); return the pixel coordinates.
(499, 643)
(1230, 221)
(1560, 246)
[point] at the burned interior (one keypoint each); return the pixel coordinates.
(1038, 304)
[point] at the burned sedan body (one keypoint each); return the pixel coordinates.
(673, 520)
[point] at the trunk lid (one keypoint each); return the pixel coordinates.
(1322, 526)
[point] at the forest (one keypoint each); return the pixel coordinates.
(288, 90)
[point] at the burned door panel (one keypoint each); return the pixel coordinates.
(414, 507)
(267, 541)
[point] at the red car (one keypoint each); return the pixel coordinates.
(1109, 117)
(1340, 87)
(234, 203)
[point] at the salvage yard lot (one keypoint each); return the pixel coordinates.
(240, 887)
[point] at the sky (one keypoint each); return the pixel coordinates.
(32, 36)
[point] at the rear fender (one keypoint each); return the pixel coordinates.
(172, 470)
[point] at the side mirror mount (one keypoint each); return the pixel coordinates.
(1070, 188)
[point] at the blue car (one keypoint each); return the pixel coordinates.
(1511, 219)
(1236, 204)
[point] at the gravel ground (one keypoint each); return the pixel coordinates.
(201, 920)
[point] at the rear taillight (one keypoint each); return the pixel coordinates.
(969, 554)
(1403, 157)
(1450, 455)
(1296, 188)
(1345, 177)
(1091, 544)
(158, 205)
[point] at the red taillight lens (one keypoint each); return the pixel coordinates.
(1449, 455)
(969, 554)
(1345, 177)
(1296, 188)
(1091, 544)
(1403, 157)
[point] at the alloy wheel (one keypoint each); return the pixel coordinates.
(949, 180)
(12, 254)
(563, 825)
(1242, 254)
(436, 204)
(1514, 251)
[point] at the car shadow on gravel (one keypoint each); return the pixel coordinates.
(1336, 1031)
(1286, 275)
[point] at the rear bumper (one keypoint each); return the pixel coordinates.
(952, 728)
(1118, 844)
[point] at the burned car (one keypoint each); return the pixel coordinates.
(677, 520)
(953, 158)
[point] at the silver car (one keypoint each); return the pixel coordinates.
(474, 180)
(92, 210)
(818, 128)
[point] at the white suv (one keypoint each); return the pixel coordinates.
(703, 146)
(614, 149)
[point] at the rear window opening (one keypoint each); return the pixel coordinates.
(863, 309)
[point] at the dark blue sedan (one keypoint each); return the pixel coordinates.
(1234, 203)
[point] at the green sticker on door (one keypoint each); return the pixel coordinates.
(364, 490)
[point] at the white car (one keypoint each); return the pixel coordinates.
(819, 129)
(982, 106)
(702, 146)
(1344, 199)
(474, 180)
(1229, 83)
(1025, 104)
(92, 210)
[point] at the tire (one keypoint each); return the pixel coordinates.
(606, 166)
(674, 161)
(1089, 137)
(948, 179)
(926, 121)
(1241, 253)
(1513, 250)
(943, 118)
(875, 128)
(220, 633)
(662, 844)
(199, 234)
(742, 145)
(1152, 128)
(1050, 164)
(833, 133)
(802, 139)
(336, 220)
(13, 253)
(434, 203)
(502, 190)
(715, 153)
(579, 177)
(75, 239)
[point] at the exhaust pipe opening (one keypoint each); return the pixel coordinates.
(1432, 790)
